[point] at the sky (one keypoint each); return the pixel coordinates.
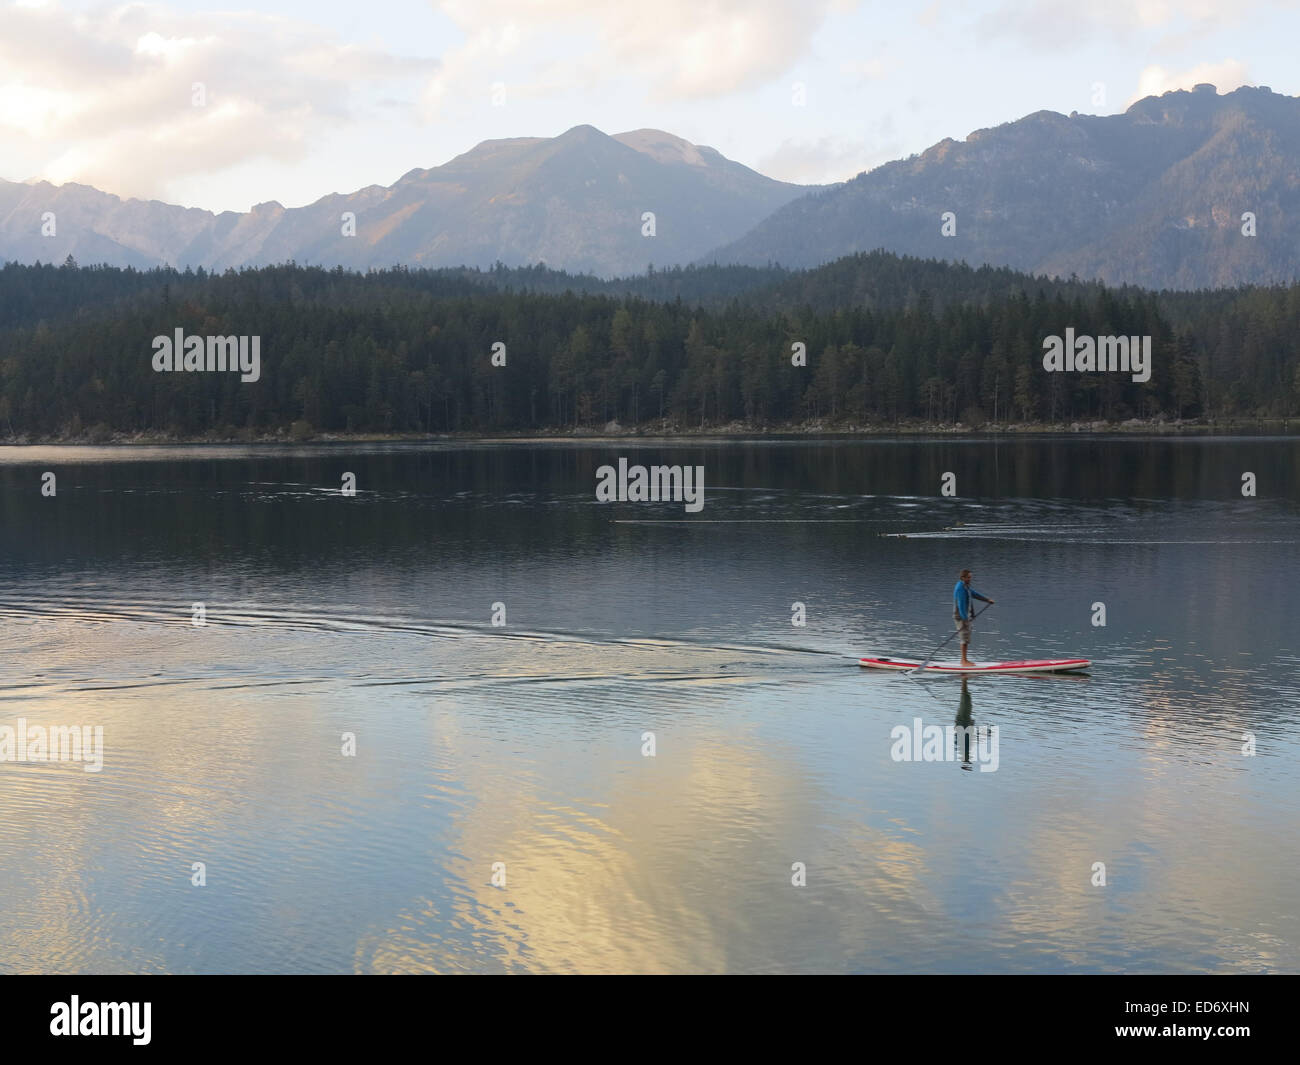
(223, 107)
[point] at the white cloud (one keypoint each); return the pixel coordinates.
(171, 49)
(829, 159)
(1225, 76)
(109, 93)
(865, 70)
(679, 49)
(1065, 24)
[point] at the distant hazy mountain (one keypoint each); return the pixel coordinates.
(1154, 197)
(575, 201)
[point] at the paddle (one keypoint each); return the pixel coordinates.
(926, 661)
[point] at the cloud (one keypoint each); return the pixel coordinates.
(860, 71)
(829, 159)
(680, 49)
(131, 97)
(1226, 76)
(1065, 24)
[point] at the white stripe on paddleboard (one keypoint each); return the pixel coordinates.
(1037, 665)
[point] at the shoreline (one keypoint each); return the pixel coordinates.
(671, 431)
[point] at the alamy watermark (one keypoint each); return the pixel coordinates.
(1073, 354)
(192, 354)
(920, 742)
(58, 743)
(654, 484)
(102, 1018)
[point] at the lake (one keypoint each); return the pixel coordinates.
(503, 809)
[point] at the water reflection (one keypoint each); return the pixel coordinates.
(523, 744)
(965, 724)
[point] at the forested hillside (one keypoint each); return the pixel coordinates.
(888, 340)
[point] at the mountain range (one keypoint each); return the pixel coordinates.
(578, 200)
(1157, 196)
(1153, 197)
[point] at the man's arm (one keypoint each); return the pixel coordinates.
(980, 596)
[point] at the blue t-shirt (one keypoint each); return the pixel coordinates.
(961, 597)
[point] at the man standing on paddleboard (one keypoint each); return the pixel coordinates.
(961, 610)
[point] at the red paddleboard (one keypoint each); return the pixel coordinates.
(1033, 665)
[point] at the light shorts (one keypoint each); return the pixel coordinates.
(963, 627)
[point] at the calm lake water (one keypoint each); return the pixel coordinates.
(523, 744)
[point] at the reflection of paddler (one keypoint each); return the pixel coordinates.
(965, 717)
